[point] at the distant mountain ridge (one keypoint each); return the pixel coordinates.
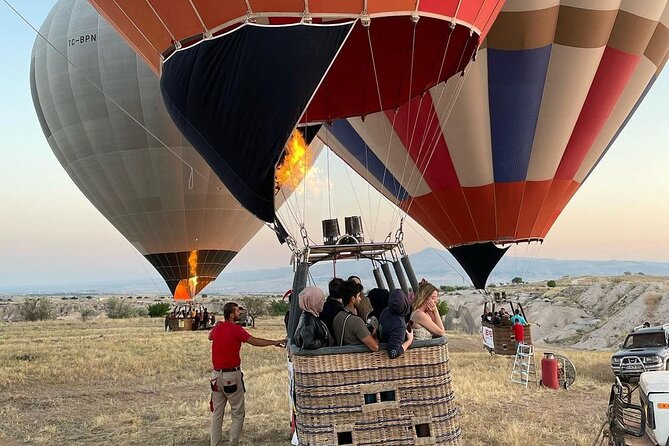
(438, 266)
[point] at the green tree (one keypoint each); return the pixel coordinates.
(442, 306)
(279, 307)
(551, 284)
(115, 308)
(36, 309)
(517, 280)
(255, 306)
(159, 309)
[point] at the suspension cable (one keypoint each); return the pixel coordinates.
(464, 279)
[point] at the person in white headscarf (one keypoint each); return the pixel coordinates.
(311, 332)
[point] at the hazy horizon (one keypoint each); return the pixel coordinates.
(51, 233)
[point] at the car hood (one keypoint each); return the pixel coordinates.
(648, 351)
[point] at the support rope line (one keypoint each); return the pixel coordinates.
(420, 149)
(388, 131)
(464, 279)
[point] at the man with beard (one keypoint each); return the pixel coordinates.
(227, 379)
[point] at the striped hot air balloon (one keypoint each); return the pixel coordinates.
(238, 75)
(495, 156)
(185, 223)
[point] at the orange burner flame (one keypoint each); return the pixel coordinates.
(296, 162)
(192, 280)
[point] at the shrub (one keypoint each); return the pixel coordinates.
(551, 284)
(88, 313)
(36, 309)
(442, 306)
(517, 280)
(279, 307)
(140, 312)
(115, 308)
(159, 309)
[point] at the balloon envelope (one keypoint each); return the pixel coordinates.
(238, 95)
(187, 225)
(550, 90)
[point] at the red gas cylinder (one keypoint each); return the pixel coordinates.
(549, 371)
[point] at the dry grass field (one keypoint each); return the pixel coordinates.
(127, 382)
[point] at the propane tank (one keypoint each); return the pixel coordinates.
(549, 371)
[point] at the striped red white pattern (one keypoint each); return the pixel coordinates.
(551, 88)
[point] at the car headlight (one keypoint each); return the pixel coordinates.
(615, 360)
(651, 359)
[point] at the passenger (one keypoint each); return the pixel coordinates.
(506, 320)
(496, 320)
(349, 329)
(518, 317)
(205, 318)
(286, 317)
(426, 320)
(333, 304)
(393, 327)
(378, 297)
(365, 306)
(311, 332)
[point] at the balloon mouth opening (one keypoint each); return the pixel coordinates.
(501, 242)
(187, 289)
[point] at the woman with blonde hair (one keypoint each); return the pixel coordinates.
(425, 316)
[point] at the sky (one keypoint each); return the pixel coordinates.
(50, 233)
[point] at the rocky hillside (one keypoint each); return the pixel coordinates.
(585, 312)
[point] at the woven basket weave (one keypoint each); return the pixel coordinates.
(364, 398)
(504, 339)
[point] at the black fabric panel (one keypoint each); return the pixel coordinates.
(478, 260)
(310, 132)
(173, 266)
(237, 99)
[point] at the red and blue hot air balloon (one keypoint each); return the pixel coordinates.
(493, 158)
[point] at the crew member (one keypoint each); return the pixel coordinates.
(227, 380)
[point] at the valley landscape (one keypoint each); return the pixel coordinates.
(126, 381)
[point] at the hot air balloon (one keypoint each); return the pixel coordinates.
(147, 180)
(550, 90)
(237, 76)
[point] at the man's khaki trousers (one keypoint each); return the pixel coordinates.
(227, 387)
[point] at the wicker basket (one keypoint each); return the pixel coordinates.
(504, 339)
(347, 395)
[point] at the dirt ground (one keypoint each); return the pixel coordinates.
(127, 382)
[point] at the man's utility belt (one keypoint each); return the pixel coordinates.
(230, 369)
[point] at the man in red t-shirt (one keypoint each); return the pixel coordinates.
(227, 380)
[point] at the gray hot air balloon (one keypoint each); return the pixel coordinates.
(188, 227)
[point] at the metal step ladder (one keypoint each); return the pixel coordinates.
(523, 365)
